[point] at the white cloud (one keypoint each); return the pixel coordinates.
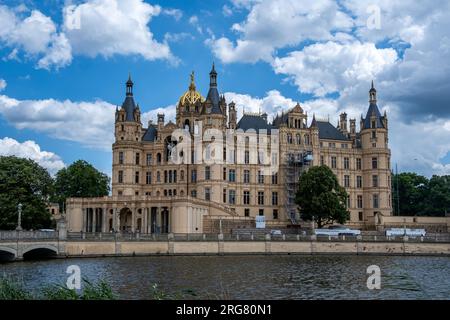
(275, 24)
(3, 84)
(193, 20)
(89, 123)
(227, 11)
(31, 150)
(324, 68)
(169, 114)
(35, 35)
(177, 14)
(109, 27)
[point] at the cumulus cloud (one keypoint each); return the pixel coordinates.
(275, 24)
(92, 28)
(3, 84)
(35, 35)
(88, 123)
(324, 68)
(31, 150)
(109, 27)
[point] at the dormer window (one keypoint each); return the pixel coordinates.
(373, 124)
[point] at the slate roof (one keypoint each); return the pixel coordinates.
(150, 134)
(373, 109)
(213, 98)
(129, 106)
(250, 121)
(328, 131)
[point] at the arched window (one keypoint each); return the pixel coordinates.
(289, 138)
(187, 125)
(307, 139)
(158, 158)
(298, 139)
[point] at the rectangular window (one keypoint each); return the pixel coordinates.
(120, 157)
(261, 197)
(137, 158)
(260, 177)
(333, 162)
(374, 134)
(374, 163)
(224, 173)
(322, 161)
(347, 181)
(232, 175)
(274, 198)
(194, 193)
(246, 197)
(349, 203)
(148, 177)
(275, 214)
(120, 177)
(275, 178)
(346, 163)
(231, 196)
(360, 216)
(207, 173)
(261, 212)
(344, 146)
(194, 176)
(158, 176)
(359, 181)
(375, 201)
(360, 202)
(136, 177)
(207, 194)
(149, 159)
(247, 157)
(358, 164)
(166, 179)
(375, 181)
(332, 145)
(246, 212)
(224, 195)
(246, 176)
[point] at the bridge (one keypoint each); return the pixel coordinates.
(29, 245)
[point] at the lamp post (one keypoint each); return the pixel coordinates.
(19, 218)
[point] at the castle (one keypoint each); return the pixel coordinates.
(209, 172)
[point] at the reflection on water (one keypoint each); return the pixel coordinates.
(252, 277)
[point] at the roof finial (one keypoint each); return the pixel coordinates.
(372, 85)
(192, 84)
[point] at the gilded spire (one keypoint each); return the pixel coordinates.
(192, 85)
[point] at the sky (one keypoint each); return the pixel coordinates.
(64, 64)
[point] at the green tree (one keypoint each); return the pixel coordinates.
(413, 191)
(26, 182)
(438, 198)
(320, 197)
(80, 179)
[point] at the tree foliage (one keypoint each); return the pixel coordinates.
(321, 198)
(26, 182)
(80, 179)
(420, 196)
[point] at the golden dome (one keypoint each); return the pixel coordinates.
(192, 95)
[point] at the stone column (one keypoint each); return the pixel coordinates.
(94, 218)
(133, 218)
(145, 220)
(84, 227)
(105, 220)
(158, 220)
(115, 219)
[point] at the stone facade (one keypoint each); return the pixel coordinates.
(163, 183)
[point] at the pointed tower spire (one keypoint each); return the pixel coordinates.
(213, 77)
(129, 85)
(372, 94)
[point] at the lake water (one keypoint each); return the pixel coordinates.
(251, 277)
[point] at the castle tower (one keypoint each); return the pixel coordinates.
(214, 110)
(232, 117)
(127, 153)
(375, 161)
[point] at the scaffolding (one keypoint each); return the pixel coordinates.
(295, 164)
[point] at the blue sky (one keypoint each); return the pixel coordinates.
(59, 84)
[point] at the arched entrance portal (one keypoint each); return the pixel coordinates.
(126, 220)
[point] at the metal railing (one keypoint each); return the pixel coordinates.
(28, 235)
